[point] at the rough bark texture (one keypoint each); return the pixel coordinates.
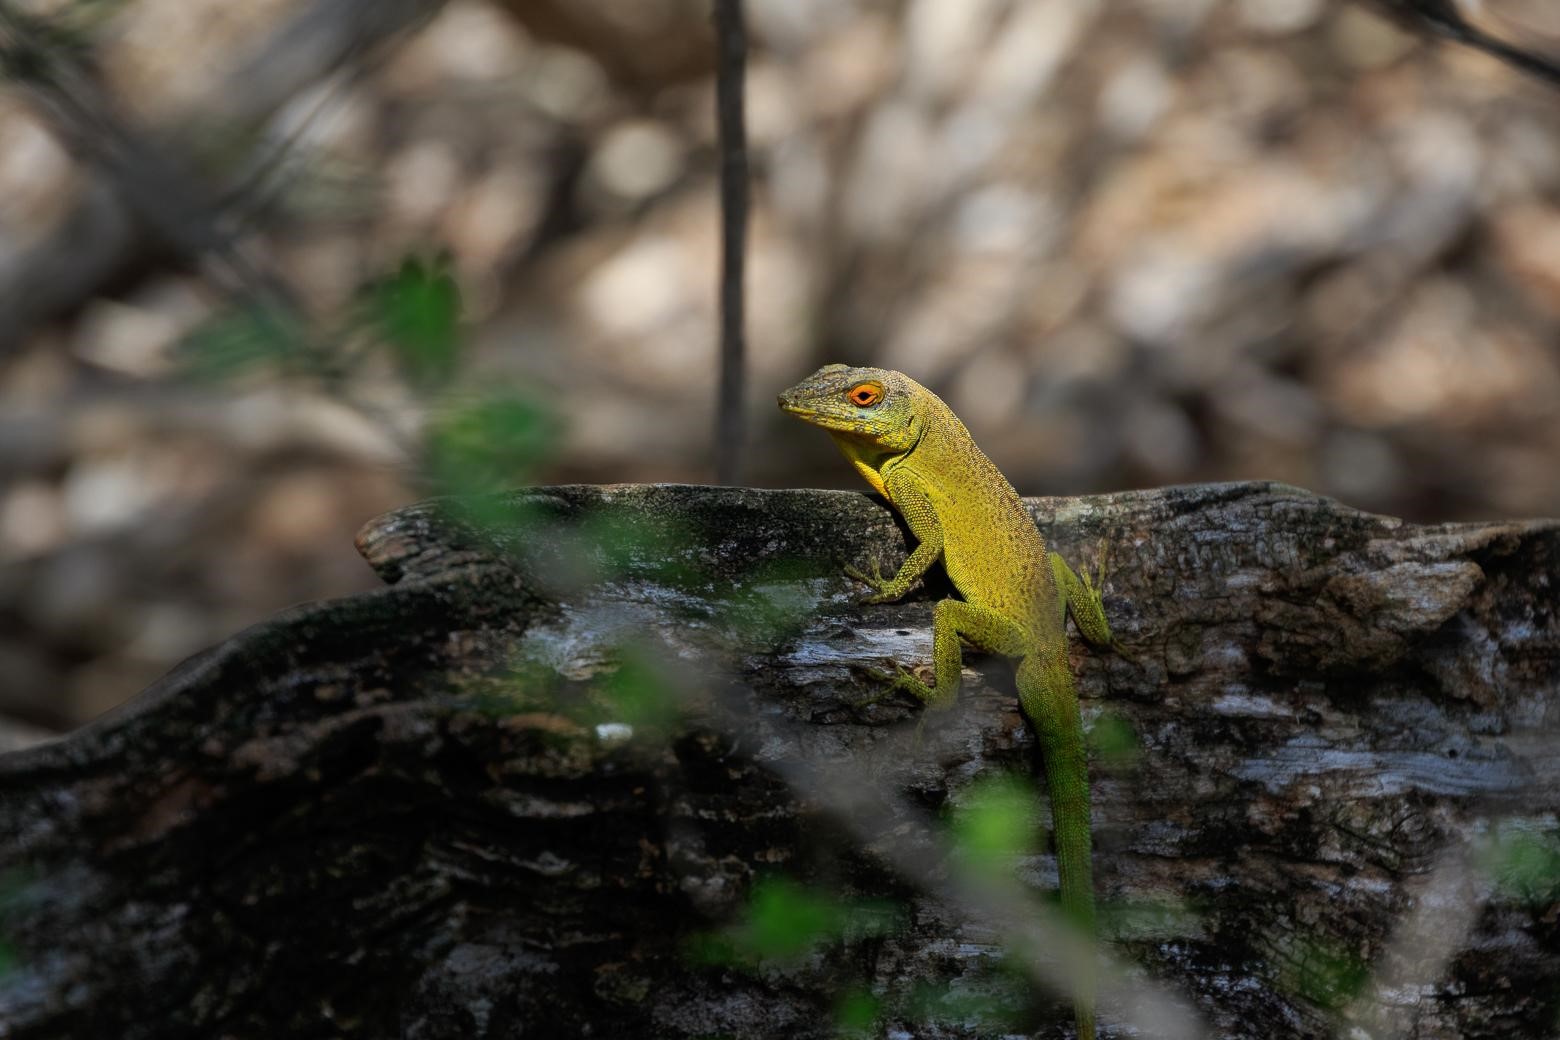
(408, 813)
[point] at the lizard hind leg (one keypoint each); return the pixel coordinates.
(955, 620)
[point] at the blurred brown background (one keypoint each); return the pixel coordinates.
(1132, 242)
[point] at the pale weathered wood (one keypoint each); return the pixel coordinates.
(409, 813)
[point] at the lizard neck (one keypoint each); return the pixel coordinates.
(873, 461)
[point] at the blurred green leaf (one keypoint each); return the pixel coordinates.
(640, 694)
(1161, 917)
(1114, 743)
(1325, 972)
(713, 949)
(238, 341)
(995, 1003)
(856, 1013)
(417, 311)
(871, 918)
(526, 686)
(776, 598)
(998, 820)
(618, 546)
(13, 885)
(489, 444)
(1525, 865)
(785, 921)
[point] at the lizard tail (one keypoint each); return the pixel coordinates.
(1045, 689)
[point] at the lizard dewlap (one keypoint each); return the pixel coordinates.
(1015, 597)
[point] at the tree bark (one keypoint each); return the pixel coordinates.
(420, 813)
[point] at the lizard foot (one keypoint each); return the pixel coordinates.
(1095, 588)
(893, 682)
(1094, 584)
(875, 581)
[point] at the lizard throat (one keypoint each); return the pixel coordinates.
(871, 454)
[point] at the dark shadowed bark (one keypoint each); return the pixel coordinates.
(415, 813)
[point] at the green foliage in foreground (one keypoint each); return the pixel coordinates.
(1525, 865)
(785, 922)
(1325, 972)
(485, 437)
(997, 821)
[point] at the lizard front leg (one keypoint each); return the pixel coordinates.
(923, 523)
(886, 590)
(1085, 598)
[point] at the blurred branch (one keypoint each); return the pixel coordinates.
(347, 40)
(1051, 954)
(642, 46)
(730, 398)
(324, 36)
(1443, 18)
(144, 190)
(1447, 903)
(159, 191)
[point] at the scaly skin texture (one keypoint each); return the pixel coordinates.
(914, 451)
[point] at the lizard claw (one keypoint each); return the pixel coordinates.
(893, 682)
(877, 675)
(1096, 589)
(875, 581)
(1096, 583)
(1119, 648)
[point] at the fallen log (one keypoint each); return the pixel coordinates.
(550, 779)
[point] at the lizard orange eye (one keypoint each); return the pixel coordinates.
(865, 395)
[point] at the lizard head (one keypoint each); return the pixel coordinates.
(873, 407)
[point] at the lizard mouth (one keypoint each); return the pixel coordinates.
(815, 417)
(791, 404)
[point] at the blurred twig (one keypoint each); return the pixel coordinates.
(1446, 908)
(1443, 18)
(730, 418)
(158, 189)
(342, 61)
(1049, 952)
(322, 37)
(110, 222)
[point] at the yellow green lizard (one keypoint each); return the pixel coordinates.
(916, 453)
